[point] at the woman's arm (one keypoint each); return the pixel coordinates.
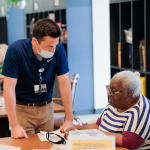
(127, 139)
(118, 137)
(88, 126)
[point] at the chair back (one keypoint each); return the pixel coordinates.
(74, 85)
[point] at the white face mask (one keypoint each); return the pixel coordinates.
(44, 53)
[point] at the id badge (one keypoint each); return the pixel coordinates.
(36, 88)
(43, 88)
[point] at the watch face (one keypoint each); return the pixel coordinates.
(41, 69)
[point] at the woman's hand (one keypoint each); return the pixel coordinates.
(88, 126)
(69, 129)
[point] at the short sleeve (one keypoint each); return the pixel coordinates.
(98, 122)
(62, 66)
(131, 139)
(11, 63)
(139, 121)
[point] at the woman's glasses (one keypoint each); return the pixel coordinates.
(112, 92)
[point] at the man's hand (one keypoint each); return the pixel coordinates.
(66, 125)
(18, 132)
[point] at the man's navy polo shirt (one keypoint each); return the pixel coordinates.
(21, 63)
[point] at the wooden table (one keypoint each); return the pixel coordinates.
(58, 108)
(33, 142)
(4, 124)
(3, 113)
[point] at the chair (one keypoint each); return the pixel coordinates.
(59, 118)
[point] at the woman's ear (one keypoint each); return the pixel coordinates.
(130, 93)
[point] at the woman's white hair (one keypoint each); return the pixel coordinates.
(130, 81)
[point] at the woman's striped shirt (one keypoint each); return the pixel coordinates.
(133, 124)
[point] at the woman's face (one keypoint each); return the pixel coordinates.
(118, 100)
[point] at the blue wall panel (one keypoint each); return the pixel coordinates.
(15, 24)
(80, 55)
(79, 3)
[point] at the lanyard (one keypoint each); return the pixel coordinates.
(41, 70)
(40, 79)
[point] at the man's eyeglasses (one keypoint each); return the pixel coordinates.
(112, 92)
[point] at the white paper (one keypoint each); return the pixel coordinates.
(42, 137)
(2, 11)
(2, 103)
(6, 147)
(52, 16)
(56, 2)
(35, 6)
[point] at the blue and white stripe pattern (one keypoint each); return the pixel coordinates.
(136, 120)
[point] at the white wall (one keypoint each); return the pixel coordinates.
(101, 51)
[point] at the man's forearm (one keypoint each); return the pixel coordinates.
(67, 101)
(10, 104)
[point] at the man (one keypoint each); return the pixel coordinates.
(30, 63)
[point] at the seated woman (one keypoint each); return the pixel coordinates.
(127, 117)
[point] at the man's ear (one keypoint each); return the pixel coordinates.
(130, 93)
(34, 40)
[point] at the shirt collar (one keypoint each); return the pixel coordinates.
(30, 50)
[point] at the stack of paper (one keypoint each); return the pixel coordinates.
(6, 147)
(2, 104)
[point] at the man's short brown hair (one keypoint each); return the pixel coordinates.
(45, 27)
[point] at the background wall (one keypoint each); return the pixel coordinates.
(80, 52)
(15, 24)
(88, 48)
